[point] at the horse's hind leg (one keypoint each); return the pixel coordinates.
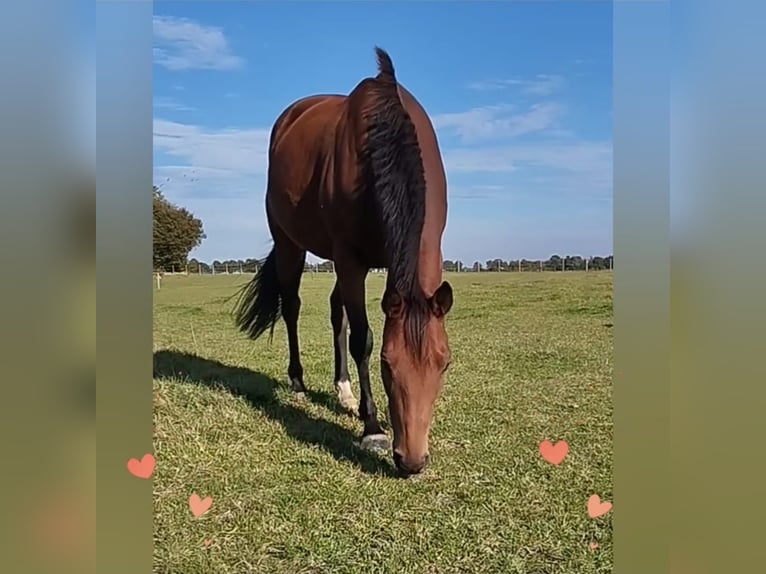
(339, 321)
(290, 262)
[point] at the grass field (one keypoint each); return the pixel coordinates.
(293, 493)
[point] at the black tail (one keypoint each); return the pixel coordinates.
(259, 304)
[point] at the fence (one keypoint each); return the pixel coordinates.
(591, 264)
(497, 265)
(525, 267)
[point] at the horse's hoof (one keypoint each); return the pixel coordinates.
(376, 443)
(350, 406)
(346, 399)
(297, 386)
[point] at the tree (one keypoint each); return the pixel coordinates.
(496, 265)
(175, 233)
(598, 263)
(576, 262)
(554, 263)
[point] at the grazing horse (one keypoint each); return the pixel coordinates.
(358, 179)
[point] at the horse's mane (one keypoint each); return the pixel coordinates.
(394, 167)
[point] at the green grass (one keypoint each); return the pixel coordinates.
(293, 493)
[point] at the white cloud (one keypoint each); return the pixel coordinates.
(540, 85)
(162, 102)
(241, 151)
(184, 182)
(236, 228)
(234, 161)
(580, 156)
(471, 192)
(578, 168)
(182, 44)
(493, 122)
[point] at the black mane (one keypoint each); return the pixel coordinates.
(395, 169)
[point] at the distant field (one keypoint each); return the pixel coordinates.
(292, 493)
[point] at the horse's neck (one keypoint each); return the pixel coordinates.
(430, 256)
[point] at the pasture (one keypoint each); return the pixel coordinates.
(293, 493)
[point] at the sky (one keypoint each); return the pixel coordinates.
(519, 94)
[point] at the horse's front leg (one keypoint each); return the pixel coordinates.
(339, 320)
(351, 278)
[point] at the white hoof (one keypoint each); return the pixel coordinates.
(376, 443)
(346, 398)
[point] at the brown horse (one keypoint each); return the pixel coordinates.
(359, 180)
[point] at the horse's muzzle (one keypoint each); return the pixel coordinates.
(410, 467)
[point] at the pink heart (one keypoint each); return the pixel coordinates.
(143, 468)
(554, 453)
(597, 508)
(199, 506)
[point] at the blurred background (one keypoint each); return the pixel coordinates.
(48, 286)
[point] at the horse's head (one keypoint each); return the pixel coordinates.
(415, 355)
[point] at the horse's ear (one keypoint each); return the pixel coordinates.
(392, 304)
(441, 300)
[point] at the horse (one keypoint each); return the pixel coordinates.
(358, 179)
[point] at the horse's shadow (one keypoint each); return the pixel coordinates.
(260, 391)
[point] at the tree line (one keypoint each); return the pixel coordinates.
(553, 263)
(176, 232)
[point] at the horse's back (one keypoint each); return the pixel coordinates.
(301, 140)
(314, 161)
(299, 153)
(305, 117)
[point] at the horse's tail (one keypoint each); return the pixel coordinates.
(259, 304)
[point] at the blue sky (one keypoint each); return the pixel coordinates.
(519, 92)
